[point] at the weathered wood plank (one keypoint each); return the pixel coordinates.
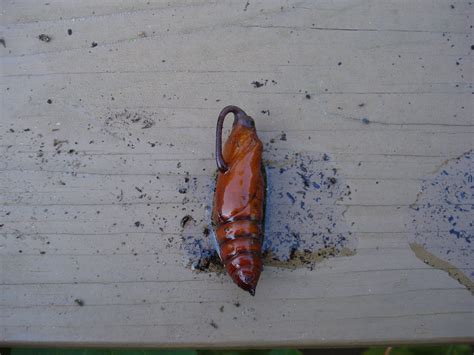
(384, 88)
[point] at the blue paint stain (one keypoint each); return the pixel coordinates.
(312, 221)
(291, 197)
(444, 214)
(302, 214)
(455, 232)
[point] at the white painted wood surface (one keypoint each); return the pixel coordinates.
(180, 62)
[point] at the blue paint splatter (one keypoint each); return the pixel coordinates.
(311, 221)
(444, 213)
(302, 214)
(290, 196)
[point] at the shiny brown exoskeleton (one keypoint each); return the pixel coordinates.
(239, 199)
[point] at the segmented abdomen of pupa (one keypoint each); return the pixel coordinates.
(238, 209)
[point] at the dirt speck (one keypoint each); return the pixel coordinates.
(209, 262)
(58, 143)
(79, 302)
(44, 38)
(185, 220)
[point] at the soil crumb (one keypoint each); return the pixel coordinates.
(44, 38)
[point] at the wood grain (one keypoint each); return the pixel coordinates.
(390, 100)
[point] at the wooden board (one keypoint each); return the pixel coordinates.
(389, 87)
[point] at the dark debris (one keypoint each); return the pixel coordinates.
(44, 38)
